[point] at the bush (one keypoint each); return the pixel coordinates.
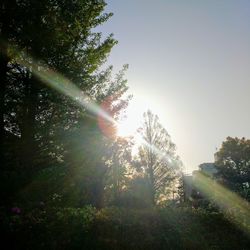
(53, 228)
(119, 228)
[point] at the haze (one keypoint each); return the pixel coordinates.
(190, 60)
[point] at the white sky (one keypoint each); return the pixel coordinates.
(189, 61)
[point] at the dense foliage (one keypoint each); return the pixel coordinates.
(50, 81)
(233, 164)
(116, 228)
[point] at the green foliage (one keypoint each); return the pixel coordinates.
(118, 163)
(116, 228)
(233, 164)
(136, 195)
(39, 126)
(51, 228)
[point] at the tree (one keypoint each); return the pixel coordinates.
(157, 157)
(118, 162)
(65, 43)
(57, 39)
(233, 164)
(92, 150)
(181, 189)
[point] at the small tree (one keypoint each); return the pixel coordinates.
(157, 157)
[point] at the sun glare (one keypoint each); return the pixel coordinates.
(126, 128)
(134, 116)
(129, 124)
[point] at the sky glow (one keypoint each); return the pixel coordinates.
(190, 61)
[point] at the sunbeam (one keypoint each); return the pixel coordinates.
(229, 202)
(162, 155)
(225, 199)
(65, 86)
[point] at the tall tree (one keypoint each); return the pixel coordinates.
(158, 157)
(8, 22)
(45, 37)
(233, 164)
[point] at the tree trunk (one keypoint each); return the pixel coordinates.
(28, 128)
(152, 186)
(3, 78)
(5, 20)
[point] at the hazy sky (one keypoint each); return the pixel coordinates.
(190, 60)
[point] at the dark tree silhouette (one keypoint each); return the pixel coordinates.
(233, 164)
(44, 41)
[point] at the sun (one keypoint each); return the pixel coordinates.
(129, 124)
(126, 128)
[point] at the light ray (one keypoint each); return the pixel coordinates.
(60, 83)
(233, 206)
(162, 155)
(225, 199)
(66, 87)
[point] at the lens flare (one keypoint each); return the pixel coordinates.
(233, 206)
(60, 83)
(228, 201)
